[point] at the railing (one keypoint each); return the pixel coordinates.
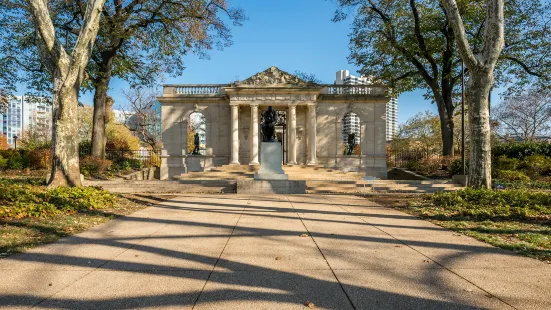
(195, 89)
(403, 159)
(130, 158)
(373, 90)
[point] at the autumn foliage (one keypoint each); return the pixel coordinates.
(3, 142)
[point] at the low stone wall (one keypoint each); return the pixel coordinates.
(271, 187)
(144, 174)
(403, 174)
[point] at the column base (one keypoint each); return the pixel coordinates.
(312, 163)
(234, 163)
(291, 163)
(254, 163)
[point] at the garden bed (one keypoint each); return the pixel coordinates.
(31, 214)
(517, 220)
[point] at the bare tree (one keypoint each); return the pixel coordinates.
(144, 117)
(67, 72)
(524, 117)
(481, 67)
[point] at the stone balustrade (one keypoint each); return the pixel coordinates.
(177, 90)
(373, 90)
(194, 90)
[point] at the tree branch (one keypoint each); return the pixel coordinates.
(459, 32)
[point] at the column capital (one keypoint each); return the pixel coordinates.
(234, 104)
(253, 105)
(311, 104)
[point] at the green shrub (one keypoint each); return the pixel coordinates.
(521, 150)
(456, 166)
(523, 185)
(512, 175)
(92, 165)
(17, 162)
(488, 204)
(537, 165)
(505, 163)
(18, 200)
(3, 162)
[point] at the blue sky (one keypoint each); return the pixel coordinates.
(292, 35)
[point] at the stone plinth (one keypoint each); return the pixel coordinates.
(195, 163)
(271, 187)
(270, 162)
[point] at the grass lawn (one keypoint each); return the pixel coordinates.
(522, 225)
(31, 215)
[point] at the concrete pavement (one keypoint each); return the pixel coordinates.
(271, 252)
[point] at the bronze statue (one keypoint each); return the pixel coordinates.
(351, 143)
(268, 125)
(196, 142)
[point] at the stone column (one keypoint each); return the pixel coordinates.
(254, 135)
(292, 135)
(234, 134)
(312, 160)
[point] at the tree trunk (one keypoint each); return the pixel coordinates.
(99, 138)
(447, 127)
(446, 124)
(101, 85)
(480, 161)
(65, 153)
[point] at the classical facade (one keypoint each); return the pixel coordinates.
(310, 128)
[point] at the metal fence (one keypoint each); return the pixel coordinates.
(129, 158)
(401, 159)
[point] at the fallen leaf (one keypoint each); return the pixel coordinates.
(397, 246)
(136, 255)
(304, 235)
(50, 284)
(277, 258)
(427, 261)
(468, 290)
(309, 304)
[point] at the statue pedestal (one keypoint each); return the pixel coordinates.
(270, 162)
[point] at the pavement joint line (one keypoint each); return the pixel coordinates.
(323, 255)
(96, 269)
(220, 256)
(438, 263)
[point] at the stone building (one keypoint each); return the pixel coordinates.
(310, 125)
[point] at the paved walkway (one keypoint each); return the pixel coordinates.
(239, 252)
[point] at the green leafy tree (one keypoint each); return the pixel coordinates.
(412, 45)
(29, 32)
(140, 40)
(481, 64)
(420, 132)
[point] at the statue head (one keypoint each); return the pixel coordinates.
(270, 109)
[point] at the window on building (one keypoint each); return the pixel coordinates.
(197, 125)
(350, 127)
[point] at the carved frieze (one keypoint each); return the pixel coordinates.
(274, 97)
(274, 76)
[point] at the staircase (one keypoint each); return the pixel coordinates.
(326, 180)
(298, 172)
(380, 186)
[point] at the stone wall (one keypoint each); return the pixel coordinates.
(372, 137)
(175, 120)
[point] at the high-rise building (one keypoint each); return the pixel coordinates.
(391, 118)
(24, 113)
(345, 78)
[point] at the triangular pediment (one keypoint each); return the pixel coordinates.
(274, 76)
